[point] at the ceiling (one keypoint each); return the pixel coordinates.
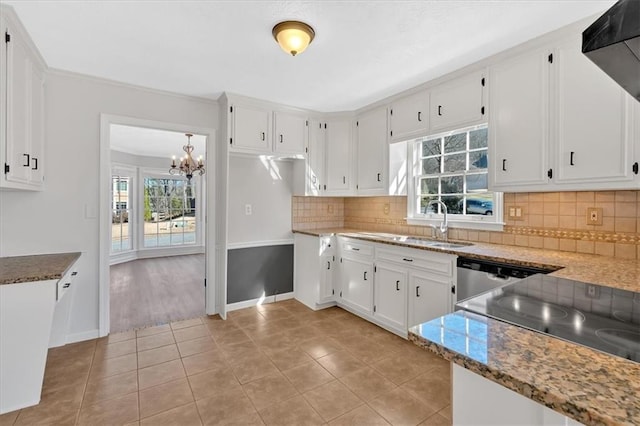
(153, 143)
(363, 51)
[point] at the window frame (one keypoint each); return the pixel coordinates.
(120, 172)
(490, 223)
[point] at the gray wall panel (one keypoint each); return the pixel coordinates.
(252, 272)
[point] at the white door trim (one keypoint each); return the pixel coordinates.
(106, 120)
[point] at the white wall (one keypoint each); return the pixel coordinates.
(267, 186)
(64, 217)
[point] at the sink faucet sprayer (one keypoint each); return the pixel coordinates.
(443, 228)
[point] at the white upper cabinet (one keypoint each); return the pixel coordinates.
(315, 158)
(457, 103)
(372, 152)
(592, 121)
(338, 157)
(409, 116)
(250, 129)
(22, 99)
(291, 132)
(518, 123)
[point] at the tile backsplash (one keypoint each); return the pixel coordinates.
(551, 220)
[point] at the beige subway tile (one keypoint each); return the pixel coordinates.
(568, 197)
(550, 243)
(567, 209)
(585, 197)
(567, 222)
(473, 236)
(626, 196)
(585, 246)
(536, 220)
(536, 241)
(496, 237)
(551, 197)
(463, 234)
(484, 237)
(535, 208)
(604, 248)
(625, 224)
(509, 197)
(551, 208)
(566, 244)
(509, 239)
(522, 240)
(608, 225)
(536, 197)
(522, 198)
(608, 209)
(625, 251)
(605, 196)
(551, 221)
(626, 209)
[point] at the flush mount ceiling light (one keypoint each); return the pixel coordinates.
(293, 36)
(187, 167)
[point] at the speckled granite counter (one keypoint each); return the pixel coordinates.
(587, 385)
(607, 271)
(23, 269)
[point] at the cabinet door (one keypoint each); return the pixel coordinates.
(409, 116)
(251, 129)
(37, 127)
(357, 284)
(593, 122)
(390, 295)
(338, 157)
(326, 278)
(457, 103)
(429, 296)
(291, 133)
(518, 123)
(315, 158)
(372, 152)
(19, 80)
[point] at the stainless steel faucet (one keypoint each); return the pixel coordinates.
(443, 228)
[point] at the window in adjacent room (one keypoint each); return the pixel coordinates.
(121, 230)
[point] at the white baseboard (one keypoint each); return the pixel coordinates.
(82, 336)
(259, 301)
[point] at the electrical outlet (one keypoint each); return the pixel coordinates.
(594, 216)
(248, 210)
(330, 208)
(518, 212)
(386, 208)
(515, 213)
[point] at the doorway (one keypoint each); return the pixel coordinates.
(155, 247)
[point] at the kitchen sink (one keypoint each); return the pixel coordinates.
(439, 244)
(427, 242)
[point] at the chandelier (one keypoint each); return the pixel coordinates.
(187, 166)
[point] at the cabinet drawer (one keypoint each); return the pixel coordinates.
(64, 284)
(357, 247)
(422, 259)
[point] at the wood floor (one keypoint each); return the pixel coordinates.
(156, 291)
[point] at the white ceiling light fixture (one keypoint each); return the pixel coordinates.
(187, 166)
(293, 36)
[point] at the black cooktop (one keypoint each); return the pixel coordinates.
(599, 317)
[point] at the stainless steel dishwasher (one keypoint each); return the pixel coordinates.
(477, 276)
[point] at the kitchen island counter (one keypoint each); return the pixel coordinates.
(41, 267)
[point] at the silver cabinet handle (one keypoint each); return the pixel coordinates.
(417, 291)
(365, 275)
(398, 285)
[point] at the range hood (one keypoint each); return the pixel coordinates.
(613, 43)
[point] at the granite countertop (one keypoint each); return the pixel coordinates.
(41, 267)
(594, 269)
(589, 386)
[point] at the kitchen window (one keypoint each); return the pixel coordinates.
(453, 168)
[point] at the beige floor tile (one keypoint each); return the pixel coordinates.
(398, 407)
(155, 341)
(367, 383)
(251, 369)
(164, 397)
(76, 351)
(75, 372)
(289, 358)
(119, 337)
(399, 371)
(150, 331)
(190, 333)
(433, 391)
(113, 411)
(231, 338)
(332, 400)
(63, 413)
(110, 387)
(234, 353)
(160, 373)
(269, 390)
(187, 415)
(195, 346)
(70, 395)
(252, 419)
(294, 411)
(308, 376)
(340, 363)
(112, 366)
(157, 355)
(9, 418)
(276, 343)
(446, 412)
(211, 360)
(362, 415)
(320, 346)
(224, 406)
(177, 325)
(212, 382)
(113, 350)
(436, 420)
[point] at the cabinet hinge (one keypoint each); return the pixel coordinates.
(482, 81)
(7, 168)
(391, 111)
(550, 173)
(333, 258)
(391, 132)
(550, 58)
(333, 292)
(306, 123)
(357, 186)
(205, 282)
(482, 110)
(230, 141)
(340, 293)
(635, 168)
(375, 269)
(230, 109)
(306, 149)
(374, 308)
(357, 124)
(7, 37)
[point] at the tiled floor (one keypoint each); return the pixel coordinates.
(277, 364)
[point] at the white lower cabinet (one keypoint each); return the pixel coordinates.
(314, 261)
(357, 284)
(390, 295)
(429, 296)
